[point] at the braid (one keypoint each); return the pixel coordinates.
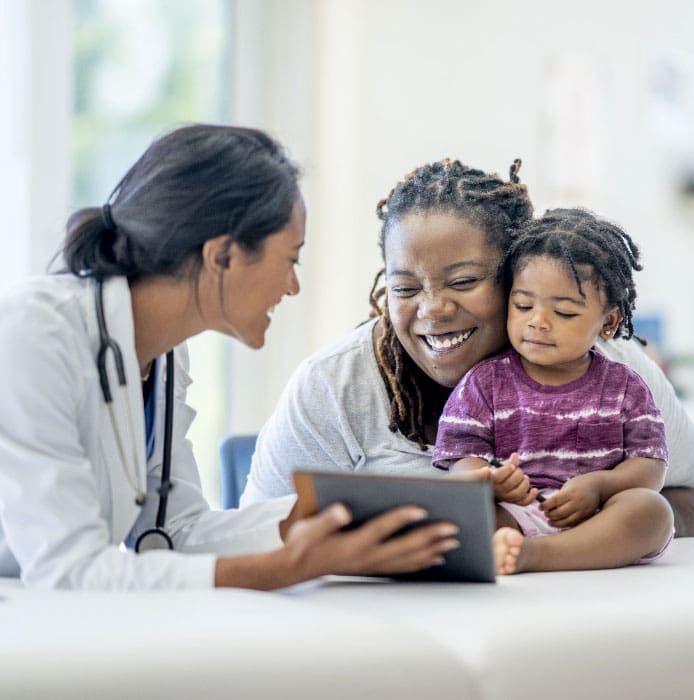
(578, 237)
(500, 208)
(391, 360)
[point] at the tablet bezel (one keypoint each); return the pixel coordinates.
(468, 504)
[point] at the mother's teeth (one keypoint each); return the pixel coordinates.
(439, 344)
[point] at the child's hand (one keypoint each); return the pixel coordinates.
(511, 484)
(575, 502)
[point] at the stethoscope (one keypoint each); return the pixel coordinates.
(156, 537)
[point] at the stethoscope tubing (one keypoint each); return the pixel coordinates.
(166, 484)
(106, 344)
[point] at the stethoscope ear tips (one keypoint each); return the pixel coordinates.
(140, 501)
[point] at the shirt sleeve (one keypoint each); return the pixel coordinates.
(54, 520)
(644, 430)
(309, 429)
(466, 426)
(679, 429)
(54, 499)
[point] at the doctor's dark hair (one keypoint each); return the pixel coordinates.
(498, 207)
(578, 237)
(191, 185)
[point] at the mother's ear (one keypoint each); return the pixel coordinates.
(216, 253)
(610, 323)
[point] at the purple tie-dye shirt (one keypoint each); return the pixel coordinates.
(594, 422)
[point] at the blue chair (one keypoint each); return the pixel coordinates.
(235, 452)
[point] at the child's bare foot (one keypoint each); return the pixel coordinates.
(506, 544)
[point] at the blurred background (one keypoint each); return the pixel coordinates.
(596, 97)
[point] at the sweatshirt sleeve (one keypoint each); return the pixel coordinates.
(644, 430)
(311, 428)
(679, 429)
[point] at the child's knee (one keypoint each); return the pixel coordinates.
(649, 508)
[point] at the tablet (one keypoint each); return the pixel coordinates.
(468, 504)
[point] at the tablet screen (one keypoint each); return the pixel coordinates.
(468, 504)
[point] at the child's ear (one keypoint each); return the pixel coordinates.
(610, 323)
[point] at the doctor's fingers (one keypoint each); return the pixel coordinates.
(311, 530)
(383, 526)
(418, 549)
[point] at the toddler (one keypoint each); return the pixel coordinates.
(578, 440)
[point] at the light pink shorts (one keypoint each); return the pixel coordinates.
(531, 520)
(534, 523)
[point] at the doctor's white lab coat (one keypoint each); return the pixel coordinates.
(66, 503)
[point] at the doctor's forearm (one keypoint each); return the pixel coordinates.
(261, 572)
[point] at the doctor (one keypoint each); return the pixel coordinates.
(203, 232)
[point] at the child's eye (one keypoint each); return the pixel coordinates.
(522, 307)
(563, 314)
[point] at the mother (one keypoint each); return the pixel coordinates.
(371, 402)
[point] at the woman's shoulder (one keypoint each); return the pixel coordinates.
(339, 383)
(43, 304)
(41, 339)
(348, 357)
(678, 426)
(630, 354)
(48, 290)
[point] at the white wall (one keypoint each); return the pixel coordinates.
(397, 83)
(272, 87)
(362, 91)
(35, 89)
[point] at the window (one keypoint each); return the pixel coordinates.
(141, 68)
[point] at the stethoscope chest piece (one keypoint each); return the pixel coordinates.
(156, 538)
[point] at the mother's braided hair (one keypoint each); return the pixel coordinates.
(449, 187)
(578, 237)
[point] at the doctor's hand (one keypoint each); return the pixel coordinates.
(317, 545)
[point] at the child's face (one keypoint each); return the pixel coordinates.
(550, 324)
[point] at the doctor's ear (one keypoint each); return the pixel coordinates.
(216, 253)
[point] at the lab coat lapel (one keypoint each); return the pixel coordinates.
(128, 412)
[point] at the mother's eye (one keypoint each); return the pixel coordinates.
(402, 290)
(462, 282)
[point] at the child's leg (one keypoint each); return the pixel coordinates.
(505, 519)
(631, 525)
